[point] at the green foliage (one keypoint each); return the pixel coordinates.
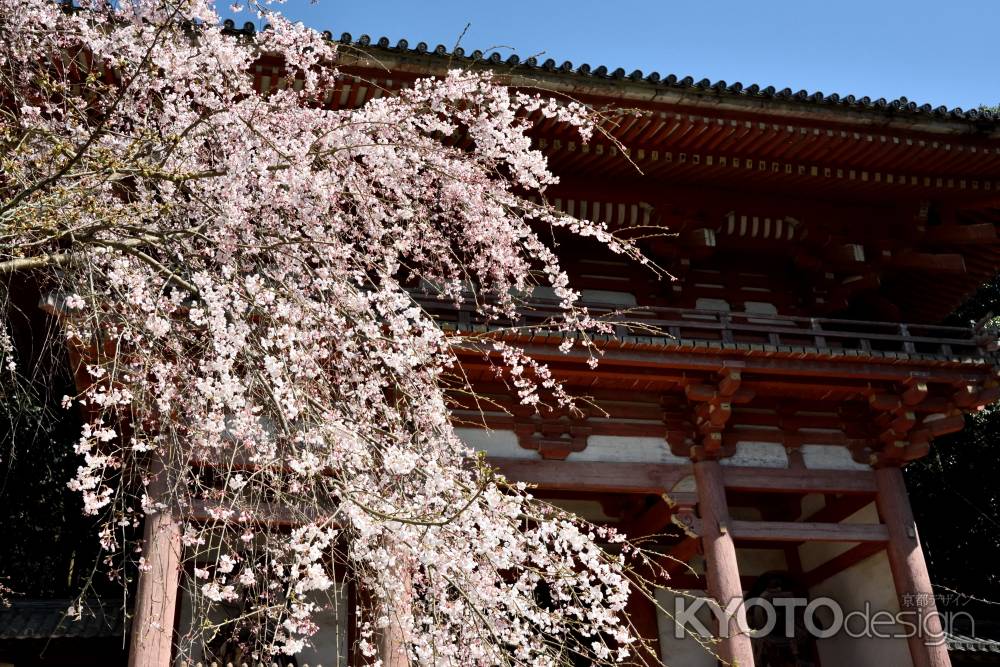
(955, 497)
(955, 493)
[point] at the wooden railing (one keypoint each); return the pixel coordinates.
(752, 331)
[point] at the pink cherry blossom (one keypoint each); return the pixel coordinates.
(240, 268)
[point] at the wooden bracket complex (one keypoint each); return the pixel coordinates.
(712, 410)
(553, 438)
(902, 434)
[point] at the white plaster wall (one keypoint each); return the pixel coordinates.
(758, 455)
(687, 484)
(830, 457)
(625, 449)
(812, 503)
(687, 651)
(498, 443)
(612, 448)
(753, 562)
(813, 554)
(711, 304)
(868, 581)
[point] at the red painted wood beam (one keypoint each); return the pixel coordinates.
(594, 476)
(675, 561)
(957, 234)
(657, 478)
(780, 480)
(633, 362)
(798, 531)
(695, 582)
(650, 522)
(927, 262)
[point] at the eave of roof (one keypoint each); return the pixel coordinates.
(965, 644)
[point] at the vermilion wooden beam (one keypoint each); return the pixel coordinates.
(979, 233)
(941, 263)
(693, 582)
(884, 401)
(945, 425)
(650, 522)
(965, 395)
(594, 476)
(671, 366)
(729, 382)
(707, 392)
(657, 478)
(914, 393)
(782, 480)
(798, 531)
(676, 560)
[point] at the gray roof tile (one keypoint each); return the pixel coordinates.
(898, 107)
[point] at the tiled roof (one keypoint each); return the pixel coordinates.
(964, 644)
(47, 619)
(897, 107)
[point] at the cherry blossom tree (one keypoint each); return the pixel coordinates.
(237, 271)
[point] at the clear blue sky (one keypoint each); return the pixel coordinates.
(940, 52)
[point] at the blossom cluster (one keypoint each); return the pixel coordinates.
(239, 271)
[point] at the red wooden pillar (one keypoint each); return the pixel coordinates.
(153, 626)
(394, 649)
(721, 568)
(909, 570)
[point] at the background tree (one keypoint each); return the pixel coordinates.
(955, 496)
